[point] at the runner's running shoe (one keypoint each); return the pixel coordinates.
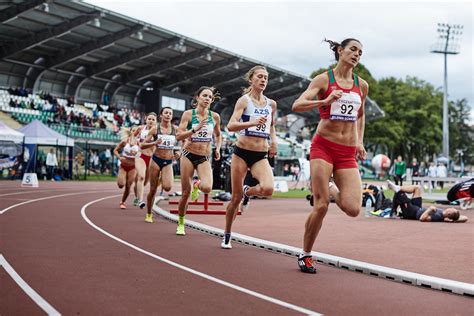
(180, 230)
(226, 246)
(195, 192)
(306, 264)
(395, 188)
(142, 204)
(122, 205)
(135, 201)
(149, 218)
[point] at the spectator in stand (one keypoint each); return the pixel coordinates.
(432, 173)
(415, 170)
(12, 103)
(400, 170)
(106, 99)
(102, 123)
(47, 106)
(286, 170)
(70, 102)
(51, 164)
(422, 172)
(441, 172)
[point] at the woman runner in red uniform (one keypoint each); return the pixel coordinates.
(127, 172)
(143, 161)
(339, 94)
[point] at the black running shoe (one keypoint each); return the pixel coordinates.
(245, 200)
(141, 204)
(306, 264)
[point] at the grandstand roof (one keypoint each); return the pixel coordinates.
(71, 48)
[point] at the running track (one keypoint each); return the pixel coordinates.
(107, 261)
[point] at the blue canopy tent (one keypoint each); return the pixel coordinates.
(37, 134)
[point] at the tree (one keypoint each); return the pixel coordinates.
(412, 123)
(461, 133)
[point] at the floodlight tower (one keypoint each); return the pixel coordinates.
(448, 44)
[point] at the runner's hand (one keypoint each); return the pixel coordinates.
(335, 95)
(273, 150)
(202, 124)
(361, 153)
(259, 121)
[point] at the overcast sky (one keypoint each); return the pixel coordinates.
(397, 36)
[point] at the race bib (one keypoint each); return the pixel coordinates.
(204, 135)
(346, 108)
(261, 130)
(131, 152)
(167, 141)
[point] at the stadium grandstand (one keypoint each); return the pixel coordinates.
(86, 71)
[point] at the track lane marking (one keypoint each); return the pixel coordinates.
(33, 191)
(47, 198)
(190, 270)
(41, 302)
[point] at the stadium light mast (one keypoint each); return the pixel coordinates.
(448, 44)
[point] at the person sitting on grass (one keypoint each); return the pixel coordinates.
(412, 208)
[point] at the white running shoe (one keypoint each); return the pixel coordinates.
(226, 246)
(395, 188)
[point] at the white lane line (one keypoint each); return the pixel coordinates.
(47, 198)
(190, 270)
(50, 310)
(32, 191)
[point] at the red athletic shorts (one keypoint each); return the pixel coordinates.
(340, 156)
(127, 168)
(146, 159)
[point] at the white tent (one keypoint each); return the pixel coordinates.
(38, 133)
(7, 133)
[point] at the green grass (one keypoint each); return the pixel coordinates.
(291, 194)
(98, 177)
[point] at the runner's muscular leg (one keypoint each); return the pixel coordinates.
(321, 172)
(154, 171)
(141, 170)
(238, 172)
(167, 178)
(130, 178)
(262, 171)
(204, 172)
(187, 171)
(121, 178)
(349, 184)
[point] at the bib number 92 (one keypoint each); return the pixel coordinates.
(347, 109)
